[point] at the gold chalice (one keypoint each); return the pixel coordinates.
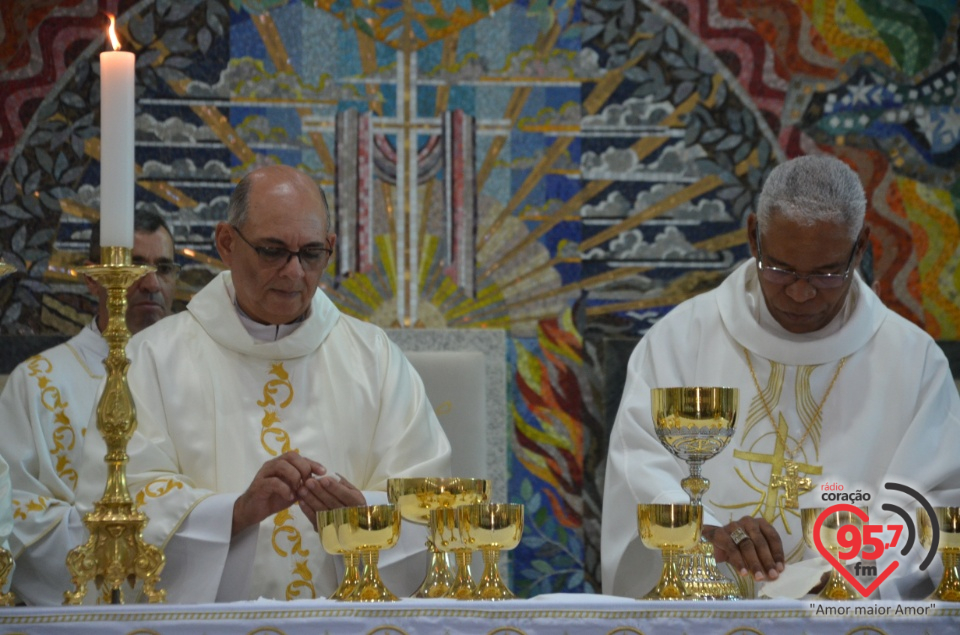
(366, 530)
(671, 529)
(492, 527)
(416, 497)
(948, 521)
(837, 587)
(695, 424)
(327, 528)
(446, 535)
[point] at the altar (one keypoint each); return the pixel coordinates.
(547, 614)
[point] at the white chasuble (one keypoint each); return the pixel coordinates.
(45, 408)
(868, 400)
(214, 404)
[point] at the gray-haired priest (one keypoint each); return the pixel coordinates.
(836, 390)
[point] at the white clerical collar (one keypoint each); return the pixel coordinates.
(265, 332)
(769, 323)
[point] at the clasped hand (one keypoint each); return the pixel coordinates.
(288, 479)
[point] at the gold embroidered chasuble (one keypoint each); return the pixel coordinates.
(214, 405)
(875, 425)
(45, 408)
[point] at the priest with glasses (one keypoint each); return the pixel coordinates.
(834, 389)
(262, 404)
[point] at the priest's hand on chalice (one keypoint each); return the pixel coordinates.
(275, 487)
(328, 492)
(751, 545)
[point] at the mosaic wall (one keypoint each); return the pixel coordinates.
(567, 171)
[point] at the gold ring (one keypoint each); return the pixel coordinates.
(738, 535)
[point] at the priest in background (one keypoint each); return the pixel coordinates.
(45, 408)
(261, 404)
(834, 389)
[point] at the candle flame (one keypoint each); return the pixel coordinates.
(113, 33)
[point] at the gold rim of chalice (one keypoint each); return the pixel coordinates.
(327, 529)
(670, 528)
(492, 528)
(416, 496)
(948, 545)
(367, 530)
(695, 421)
(837, 586)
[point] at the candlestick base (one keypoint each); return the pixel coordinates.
(6, 566)
(115, 551)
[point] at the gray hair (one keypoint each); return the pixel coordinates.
(813, 189)
(239, 204)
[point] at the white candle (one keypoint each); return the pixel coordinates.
(116, 146)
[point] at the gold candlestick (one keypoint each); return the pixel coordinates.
(6, 558)
(115, 550)
(6, 566)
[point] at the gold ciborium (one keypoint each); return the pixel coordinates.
(115, 551)
(837, 587)
(416, 497)
(671, 529)
(695, 424)
(948, 526)
(446, 535)
(367, 530)
(492, 528)
(327, 528)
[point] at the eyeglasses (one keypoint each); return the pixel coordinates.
(311, 258)
(166, 270)
(786, 277)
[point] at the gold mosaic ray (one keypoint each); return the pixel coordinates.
(278, 55)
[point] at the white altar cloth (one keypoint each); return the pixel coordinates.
(549, 614)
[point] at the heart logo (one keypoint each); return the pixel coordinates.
(839, 566)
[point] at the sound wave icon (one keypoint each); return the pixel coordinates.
(908, 522)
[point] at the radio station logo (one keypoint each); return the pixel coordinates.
(865, 542)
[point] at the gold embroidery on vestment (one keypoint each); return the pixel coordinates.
(157, 488)
(778, 491)
(277, 395)
(34, 505)
(271, 416)
(64, 436)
